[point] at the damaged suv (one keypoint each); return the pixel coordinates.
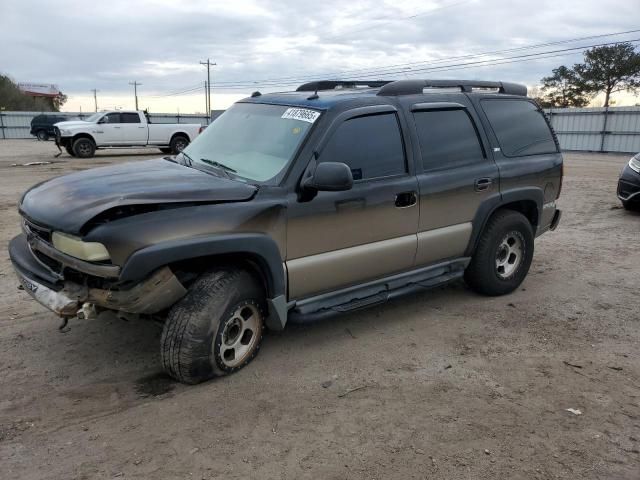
(295, 206)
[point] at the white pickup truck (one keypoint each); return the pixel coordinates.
(117, 129)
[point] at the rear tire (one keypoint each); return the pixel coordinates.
(503, 255)
(216, 329)
(42, 135)
(165, 150)
(84, 148)
(178, 143)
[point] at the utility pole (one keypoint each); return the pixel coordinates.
(206, 98)
(95, 97)
(135, 91)
(209, 65)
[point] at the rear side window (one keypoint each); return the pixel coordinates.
(371, 146)
(129, 117)
(447, 138)
(520, 127)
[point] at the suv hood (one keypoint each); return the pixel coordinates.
(67, 203)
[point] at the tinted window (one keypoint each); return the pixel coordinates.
(447, 139)
(111, 118)
(129, 117)
(371, 146)
(520, 127)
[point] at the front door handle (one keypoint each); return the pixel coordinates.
(406, 199)
(482, 184)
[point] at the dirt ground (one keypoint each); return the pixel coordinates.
(446, 384)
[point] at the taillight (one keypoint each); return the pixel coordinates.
(561, 178)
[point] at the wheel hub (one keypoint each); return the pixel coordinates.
(509, 255)
(240, 334)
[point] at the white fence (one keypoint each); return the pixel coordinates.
(616, 129)
(18, 124)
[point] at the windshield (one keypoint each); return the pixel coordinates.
(251, 140)
(94, 117)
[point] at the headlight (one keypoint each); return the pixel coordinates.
(90, 251)
(634, 163)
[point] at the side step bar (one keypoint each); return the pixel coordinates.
(376, 292)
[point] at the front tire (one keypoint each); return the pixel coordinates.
(42, 135)
(84, 148)
(216, 329)
(178, 143)
(503, 255)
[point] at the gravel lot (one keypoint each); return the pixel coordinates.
(446, 384)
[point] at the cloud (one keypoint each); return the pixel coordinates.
(273, 45)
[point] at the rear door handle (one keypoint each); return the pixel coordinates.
(482, 184)
(406, 199)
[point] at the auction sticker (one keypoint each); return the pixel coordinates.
(303, 114)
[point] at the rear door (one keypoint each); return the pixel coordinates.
(456, 176)
(340, 239)
(134, 131)
(109, 130)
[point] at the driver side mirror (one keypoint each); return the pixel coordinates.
(329, 177)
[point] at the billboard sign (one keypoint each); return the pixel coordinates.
(39, 89)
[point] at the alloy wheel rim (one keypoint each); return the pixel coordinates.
(240, 335)
(509, 255)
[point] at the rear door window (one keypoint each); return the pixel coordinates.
(448, 139)
(371, 146)
(128, 117)
(520, 127)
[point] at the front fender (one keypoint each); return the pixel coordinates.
(257, 247)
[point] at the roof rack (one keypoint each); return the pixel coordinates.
(413, 87)
(333, 84)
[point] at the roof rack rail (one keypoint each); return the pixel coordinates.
(413, 87)
(333, 84)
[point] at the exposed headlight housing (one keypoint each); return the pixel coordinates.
(74, 246)
(65, 133)
(634, 163)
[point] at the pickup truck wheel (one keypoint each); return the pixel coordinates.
(178, 143)
(503, 255)
(84, 148)
(216, 329)
(42, 135)
(69, 150)
(165, 150)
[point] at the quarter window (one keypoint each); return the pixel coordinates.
(520, 127)
(371, 146)
(447, 138)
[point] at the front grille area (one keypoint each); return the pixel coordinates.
(42, 233)
(625, 189)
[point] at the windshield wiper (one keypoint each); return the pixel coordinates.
(219, 165)
(188, 158)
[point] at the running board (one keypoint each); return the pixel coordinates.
(376, 292)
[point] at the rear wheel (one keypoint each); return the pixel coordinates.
(84, 148)
(178, 143)
(42, 135)
(216, 329)
(503, 255)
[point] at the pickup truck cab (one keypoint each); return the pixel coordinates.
(116, 129)
(296, 206)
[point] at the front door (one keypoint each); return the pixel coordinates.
(340, 239)
(109, 130)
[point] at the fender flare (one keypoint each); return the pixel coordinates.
(259, 248)
(495, 202)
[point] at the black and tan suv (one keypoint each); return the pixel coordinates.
(296, 206)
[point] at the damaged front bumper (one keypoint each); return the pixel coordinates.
(64, 297)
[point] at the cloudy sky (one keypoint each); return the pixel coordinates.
(275, 45)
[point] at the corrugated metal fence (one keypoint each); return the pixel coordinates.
(18, 124)
(616, 129)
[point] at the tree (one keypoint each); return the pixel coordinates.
(12, 98)
(609, 69)
(562, 89)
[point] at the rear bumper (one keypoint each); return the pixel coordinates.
(155, 293)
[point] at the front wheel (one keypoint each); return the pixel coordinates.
(69, 150)
(503, 255)
(84, 148)
(216, 329)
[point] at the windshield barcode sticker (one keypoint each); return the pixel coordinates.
(302, 114)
